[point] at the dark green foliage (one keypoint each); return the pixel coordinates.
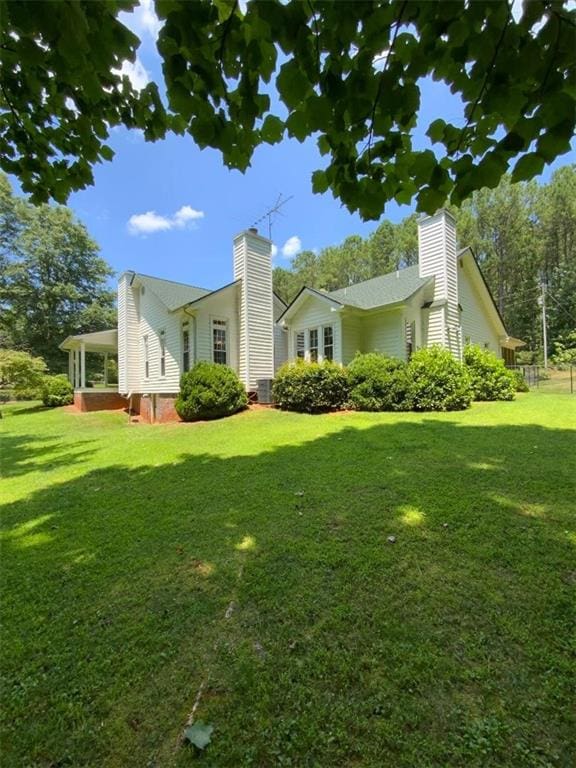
(437, 382)
(53, 283)
(210, 391)
(310, 387)
(324, 66)
(489, 377)
(520, 383)
(57, 391)
(377, 383)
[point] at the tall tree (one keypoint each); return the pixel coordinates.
(52, 282)
(347, 73)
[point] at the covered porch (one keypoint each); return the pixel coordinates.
(91, 395)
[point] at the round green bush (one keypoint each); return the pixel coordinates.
(210, 391)
(57, 391)
(310, 387)
(489, 377)
(377, 383)
(437, 382)
(520, 383)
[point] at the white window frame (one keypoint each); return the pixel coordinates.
(145, 342)
(324, 329)
(301, 334)
(186, 328)
(317, 347)
(220, 323)
(162, 356)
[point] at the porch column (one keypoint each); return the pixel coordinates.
(83, 365)
(76, 369)
(70, 367)
(105, 369)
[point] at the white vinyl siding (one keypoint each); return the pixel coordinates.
(220, 306)
(476, 324)
(155, 318)
(384, 332)
(128, 336)
(352, 337)
(253, 267)
(315, 313)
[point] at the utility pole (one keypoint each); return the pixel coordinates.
(542, 302)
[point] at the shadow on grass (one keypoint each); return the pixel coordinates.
(21, 454)
(447, 647)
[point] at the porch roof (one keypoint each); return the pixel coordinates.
(99, 341)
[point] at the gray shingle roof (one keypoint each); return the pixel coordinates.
(172, 294)
(379, 291)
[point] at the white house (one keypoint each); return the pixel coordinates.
(165, 326)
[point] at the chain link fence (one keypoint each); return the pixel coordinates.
(556, 381)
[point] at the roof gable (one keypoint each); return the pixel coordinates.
(380, 291)
(172, 294)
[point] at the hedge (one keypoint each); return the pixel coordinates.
(210, 391)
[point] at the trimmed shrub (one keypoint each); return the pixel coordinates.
(489, 377)
(377, 383)
(437, 382)
(57, 391)
(210, 391)
(5, 396)
(310, 387)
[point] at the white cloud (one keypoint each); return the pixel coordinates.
(291, 247)
(185, 215)
(136, 73)
(143, 20)
(146, 223)
(150, 222)
(274, 251)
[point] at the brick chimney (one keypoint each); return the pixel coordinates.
(253, 267)
(437, 258)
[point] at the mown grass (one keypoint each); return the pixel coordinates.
(124, 547)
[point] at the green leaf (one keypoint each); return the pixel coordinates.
(292, 83)
(319, 182)
(297, 125)
(272, 129)
(436, 130)
(199, 734)
(527, 167)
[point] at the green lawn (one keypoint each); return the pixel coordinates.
(124, 545)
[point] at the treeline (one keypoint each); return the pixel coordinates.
(522, 234)
(53, 283)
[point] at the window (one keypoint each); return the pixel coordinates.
(146, 358)
(219, 341)
(313, 344)
(411, 339)
(162, 338)
(328, 349)
(185, 347)
(300, 345)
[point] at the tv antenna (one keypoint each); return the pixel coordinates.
(273, 211)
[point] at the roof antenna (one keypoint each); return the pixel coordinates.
(271, 212)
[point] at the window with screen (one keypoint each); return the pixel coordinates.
(185, 347)
(146, 357)
(300, 345)
(313, 345)
(162, 339)
(219, 341)
(328, 348)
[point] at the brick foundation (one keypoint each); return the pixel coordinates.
(99, 401)
(158, 409)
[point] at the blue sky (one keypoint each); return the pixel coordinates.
(171, 210)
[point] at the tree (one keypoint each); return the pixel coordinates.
(20, 371)
(346, 73)
(53, 282)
